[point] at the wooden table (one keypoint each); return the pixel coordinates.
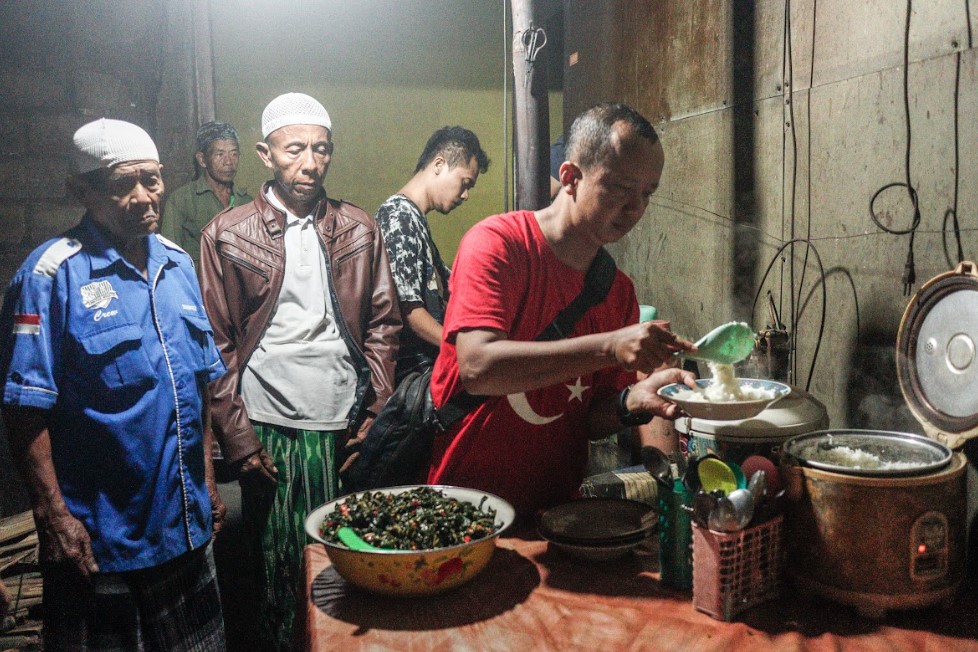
(529, 598)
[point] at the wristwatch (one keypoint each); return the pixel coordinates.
(631, 418)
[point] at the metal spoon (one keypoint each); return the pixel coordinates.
(743, 505)
(757, 486)
(658, 465)
(723, 518)
(703, 506)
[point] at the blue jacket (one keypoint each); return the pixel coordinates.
(120, 363)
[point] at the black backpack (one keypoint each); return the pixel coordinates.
(397, 448)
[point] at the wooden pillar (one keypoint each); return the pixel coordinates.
(532, 107)
(203, 61)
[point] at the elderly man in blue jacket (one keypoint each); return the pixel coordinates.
(105, 353)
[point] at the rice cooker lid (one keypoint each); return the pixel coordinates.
(797, 413)
(937, 355)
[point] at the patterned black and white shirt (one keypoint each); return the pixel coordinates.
(419, 273)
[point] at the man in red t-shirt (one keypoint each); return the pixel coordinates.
(513, 273)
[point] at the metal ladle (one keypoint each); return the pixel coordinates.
(733, 511)
(722, 518)
(658, 465)
(743, 504)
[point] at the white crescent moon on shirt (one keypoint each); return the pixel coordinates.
(523, 410)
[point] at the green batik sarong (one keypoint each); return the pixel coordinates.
(274, 519)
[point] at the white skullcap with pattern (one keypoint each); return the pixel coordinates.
(293, 109)
(106, 143)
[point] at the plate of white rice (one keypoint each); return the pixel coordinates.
(725, 398)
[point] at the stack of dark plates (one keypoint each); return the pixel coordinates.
(597, 529)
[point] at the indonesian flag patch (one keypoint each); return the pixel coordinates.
(27, 324)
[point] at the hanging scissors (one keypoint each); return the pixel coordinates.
(533, 40)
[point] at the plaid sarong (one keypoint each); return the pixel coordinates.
(173, 606)
(274, 520)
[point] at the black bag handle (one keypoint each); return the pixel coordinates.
(597, 282)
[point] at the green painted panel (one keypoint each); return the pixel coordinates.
(389, 73)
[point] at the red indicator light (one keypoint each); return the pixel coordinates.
(922, 548)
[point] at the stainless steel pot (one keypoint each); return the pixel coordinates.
(869, 452)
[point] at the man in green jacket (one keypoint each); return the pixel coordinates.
(190, 207)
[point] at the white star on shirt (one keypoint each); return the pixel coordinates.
(577, 390)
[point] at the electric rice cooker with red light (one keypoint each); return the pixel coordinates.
(878, 520)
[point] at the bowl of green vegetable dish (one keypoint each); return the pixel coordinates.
(411, 540)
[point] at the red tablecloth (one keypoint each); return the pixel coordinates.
(530, 598)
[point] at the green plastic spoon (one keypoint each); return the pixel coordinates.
(726, 344)
(349, 537)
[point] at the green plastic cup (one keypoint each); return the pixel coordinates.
(647, 313)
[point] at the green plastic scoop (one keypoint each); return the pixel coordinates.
(726, 344)
(349, 537)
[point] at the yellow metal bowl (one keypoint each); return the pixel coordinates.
(413, 572)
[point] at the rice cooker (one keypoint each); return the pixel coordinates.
(893, 536)
(734, 441)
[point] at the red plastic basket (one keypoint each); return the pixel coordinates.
(736, 571)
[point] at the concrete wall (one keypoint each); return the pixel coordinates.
(759, 152)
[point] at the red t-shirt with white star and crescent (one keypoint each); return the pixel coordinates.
(532, 448)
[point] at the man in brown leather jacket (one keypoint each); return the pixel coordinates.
(299, 290)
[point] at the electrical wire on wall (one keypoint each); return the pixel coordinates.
(799, 305)
(788, 119)
(788, 226)
(951, 215)
(788, 221)
(909, 275)
(952, 212)
(809, 246)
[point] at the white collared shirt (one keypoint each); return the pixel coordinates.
(301, 374)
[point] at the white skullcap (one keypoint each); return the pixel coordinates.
(105, 143)
(293, 109)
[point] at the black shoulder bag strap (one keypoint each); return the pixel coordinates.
(597, 282)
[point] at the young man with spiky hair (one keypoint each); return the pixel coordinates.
(446, 172)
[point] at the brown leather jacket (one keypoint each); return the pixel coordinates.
(242, 264)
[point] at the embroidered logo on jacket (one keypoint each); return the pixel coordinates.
(97, 295)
